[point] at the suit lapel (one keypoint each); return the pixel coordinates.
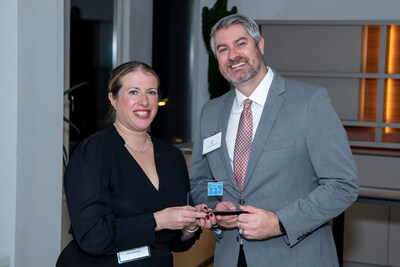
(223, 120)
(270, 112)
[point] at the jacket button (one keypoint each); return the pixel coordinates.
(237, 239)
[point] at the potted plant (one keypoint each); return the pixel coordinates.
(217, 85)
(67, 92)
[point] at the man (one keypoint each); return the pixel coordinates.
(282, 154)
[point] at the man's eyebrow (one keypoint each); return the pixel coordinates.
(220, 45)
(235, 41)
(240, 39)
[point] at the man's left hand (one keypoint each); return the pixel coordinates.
(258, 223)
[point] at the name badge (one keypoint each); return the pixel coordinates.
(215, 189)
(211, 143)
(133, 254)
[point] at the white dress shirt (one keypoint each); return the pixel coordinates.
(259, 96)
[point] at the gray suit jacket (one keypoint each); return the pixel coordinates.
(301, 167)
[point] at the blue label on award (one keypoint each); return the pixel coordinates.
(215, 189)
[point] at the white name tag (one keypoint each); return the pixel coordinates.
(133, 254)
(211, 143)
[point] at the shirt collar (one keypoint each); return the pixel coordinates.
(259, 95)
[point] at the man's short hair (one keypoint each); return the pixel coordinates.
(249, 24)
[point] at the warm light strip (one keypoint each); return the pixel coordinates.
(391, 56)
(364, 54)
(391, 51)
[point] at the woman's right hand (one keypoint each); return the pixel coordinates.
(209, 220)
(175, 218)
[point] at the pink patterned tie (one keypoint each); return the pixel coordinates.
(243, 143)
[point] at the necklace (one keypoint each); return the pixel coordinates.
(138, 150)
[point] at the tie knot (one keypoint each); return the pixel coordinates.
(247, 103)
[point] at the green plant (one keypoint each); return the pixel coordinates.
(217, 85)
(67, 92)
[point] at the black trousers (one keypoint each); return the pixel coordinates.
(242, 259)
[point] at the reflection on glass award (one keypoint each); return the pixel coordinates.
(201, 187)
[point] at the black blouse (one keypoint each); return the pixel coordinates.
(111, 201)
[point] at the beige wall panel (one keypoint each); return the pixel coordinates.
(366, 234)
(394, 237)
(202, 250)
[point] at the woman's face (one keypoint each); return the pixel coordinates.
(136, 103)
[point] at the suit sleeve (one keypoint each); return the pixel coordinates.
(334, 167)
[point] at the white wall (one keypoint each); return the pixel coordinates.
(31, 72)
(8, 122)
(134, 31)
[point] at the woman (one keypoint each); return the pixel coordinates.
(126, 190)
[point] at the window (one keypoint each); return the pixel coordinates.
(359, 65)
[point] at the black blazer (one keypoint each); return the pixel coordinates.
(111, 202)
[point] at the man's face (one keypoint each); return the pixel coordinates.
(239, 57)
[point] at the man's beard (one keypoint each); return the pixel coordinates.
(250, 72)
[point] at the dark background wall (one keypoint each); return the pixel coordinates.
(171, 60)
(90, 61)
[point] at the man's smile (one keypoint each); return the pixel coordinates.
(238, 65)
